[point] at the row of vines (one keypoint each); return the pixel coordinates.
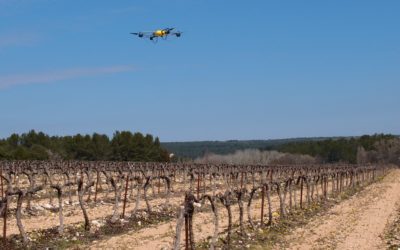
(184, 189)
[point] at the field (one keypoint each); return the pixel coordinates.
(128, 205)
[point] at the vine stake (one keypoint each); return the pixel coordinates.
(262, 204)
(126, 192)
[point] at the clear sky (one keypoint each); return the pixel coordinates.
(241, 70)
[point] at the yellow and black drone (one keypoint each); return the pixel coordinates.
(160, 33)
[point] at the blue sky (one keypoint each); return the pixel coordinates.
(241, 70)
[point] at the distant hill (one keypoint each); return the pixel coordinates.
(199, 148)
(328, 149)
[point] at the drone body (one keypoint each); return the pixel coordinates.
(160, 33)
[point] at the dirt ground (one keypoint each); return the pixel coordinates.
(73, 213)
(358, 223)
(161, 236)
(156, 237)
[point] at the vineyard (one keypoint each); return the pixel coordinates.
(72, 204)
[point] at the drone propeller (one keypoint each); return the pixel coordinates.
(167, 30)
(139, 34)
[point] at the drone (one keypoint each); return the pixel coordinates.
(160, 33)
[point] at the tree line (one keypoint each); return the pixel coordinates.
(122, 146)
(365, 149)
(128, 146)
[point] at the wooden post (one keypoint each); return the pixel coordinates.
(1, 180)
(89, 191)
(5, 224)
(262, 204)
(301, 192)
(96, 188)
(204, 183)
(271, 177)
(198, 185)
(126, 192)
(159, 181)
(165, 186)
(186, 233)
(241, 181)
